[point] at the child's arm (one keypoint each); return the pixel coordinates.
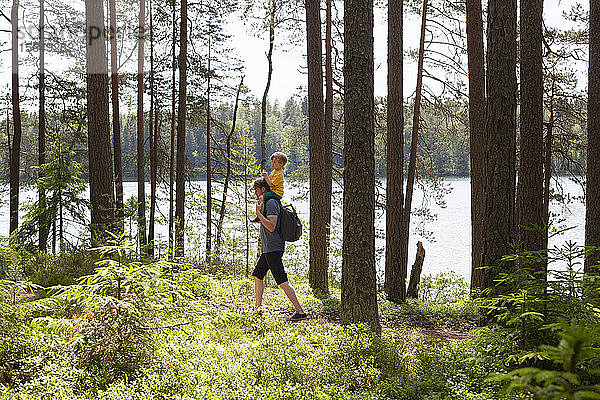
(266, 176)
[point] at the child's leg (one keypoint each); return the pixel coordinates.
(271, 195)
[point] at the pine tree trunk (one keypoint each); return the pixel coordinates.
(181, 116)
(328, 124)
(100, 160)
(359, 290)
(395, 271)
(477, 133)
(153, 141)
(500, 148)
(592, 196)
(15, 148)
(530, 189)
(116, 121)
(319, 156)
(141, 173)
(172, 144)
(208, 166)
(44, 222)
(412, 161)
(228, 171)
(263, 126)
(548, 164)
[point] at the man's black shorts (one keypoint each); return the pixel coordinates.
(273, 262)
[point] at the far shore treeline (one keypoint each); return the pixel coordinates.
(445, 149)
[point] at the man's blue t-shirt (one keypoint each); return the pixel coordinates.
(271, 241)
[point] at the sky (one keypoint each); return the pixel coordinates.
(288, 78)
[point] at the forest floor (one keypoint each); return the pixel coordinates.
(214, 345)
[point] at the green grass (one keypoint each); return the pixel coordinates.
(214, 346)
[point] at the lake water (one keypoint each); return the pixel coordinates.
(445, 231)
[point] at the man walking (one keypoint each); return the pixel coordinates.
(272, 248)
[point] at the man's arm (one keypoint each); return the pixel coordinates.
(270, 221)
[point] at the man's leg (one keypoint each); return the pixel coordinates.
(259, 275)
(259, 289)
(291, 294)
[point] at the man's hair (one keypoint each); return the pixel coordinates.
(279, 156)
(260, 183)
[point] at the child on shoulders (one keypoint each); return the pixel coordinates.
(275, 179)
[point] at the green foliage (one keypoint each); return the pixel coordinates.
(63, 185)
(113, 344)
(528, 305)
(443, 287)
(572, 379)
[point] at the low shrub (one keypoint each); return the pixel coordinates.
(113, 344)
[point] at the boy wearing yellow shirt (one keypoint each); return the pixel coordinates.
(275, 179)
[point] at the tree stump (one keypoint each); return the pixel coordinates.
(415, 273)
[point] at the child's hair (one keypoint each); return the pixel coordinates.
(280, 157)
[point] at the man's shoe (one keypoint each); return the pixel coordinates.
(297, 317)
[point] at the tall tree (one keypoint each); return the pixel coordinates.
(116, 119)
(412, 160)
(263, 126)
(359, 289)
(228, 170)
(44, 224)
(15, 150)
(500, 175)
(476, 132)
(172, 144)
(328, 123)
(530, 189)
(153, 131)
(395, 271)
(182, 109)
(100, 160)
(592, 202)
(141, 173)
(319, 155)
(208, 166)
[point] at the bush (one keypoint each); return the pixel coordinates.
(113, 345)
(443, 287)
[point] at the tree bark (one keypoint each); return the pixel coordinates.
(328, 124)
(530, 190)
(592, 196)
(263, 126)
(153, 128)
(208, 166)
(499, 213)
(415, 272)
(182, 110)
(412, 161)
(44, 223)
(395, 271)
(116, 121)
(359, 290)
(319, 156)
(100, 160)
(15, 148)
(548, 164)
(141, 173)
(477, 133)
(172, 148)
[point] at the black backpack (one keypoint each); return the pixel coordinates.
(290, 227)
